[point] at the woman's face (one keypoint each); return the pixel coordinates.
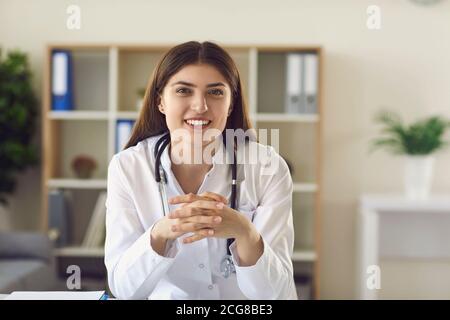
(196, 98)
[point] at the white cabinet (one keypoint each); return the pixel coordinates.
(393, 227)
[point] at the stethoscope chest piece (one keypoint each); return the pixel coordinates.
(227, 266)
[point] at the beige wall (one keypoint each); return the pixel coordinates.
(404, 66)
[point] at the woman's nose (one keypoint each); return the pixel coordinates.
(199, 105)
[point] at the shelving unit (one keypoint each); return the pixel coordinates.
(107, 79)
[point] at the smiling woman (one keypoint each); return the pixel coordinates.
(196, 97)
(173, 80)
(172, 233)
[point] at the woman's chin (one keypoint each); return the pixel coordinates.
(188, 133)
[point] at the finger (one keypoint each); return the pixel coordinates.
(190, 197)
(185, 204)
(189, 211)
(201, 234)
(189, 227)
(215, 196)
(209, 220)
(205, 204)
(200, 207)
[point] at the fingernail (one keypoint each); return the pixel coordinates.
(211, 232)
(217, 219)
(219, 205)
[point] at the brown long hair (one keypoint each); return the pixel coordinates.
(151, 122)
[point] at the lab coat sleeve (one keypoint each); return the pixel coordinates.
(134, 268)
(271, 277)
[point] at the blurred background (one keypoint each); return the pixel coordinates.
(353, 209)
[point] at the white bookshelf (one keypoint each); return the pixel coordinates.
(77, 183)
(304, 256)
(281, 117)
(305, 187)
(129, 115)
(78, 115)
(108, 78)
(80, 252)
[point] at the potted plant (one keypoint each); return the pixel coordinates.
(84, 166)
(18, 113)
(419, 142)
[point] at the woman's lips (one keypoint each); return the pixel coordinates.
(192, 126)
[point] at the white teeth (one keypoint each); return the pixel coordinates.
(198, 122)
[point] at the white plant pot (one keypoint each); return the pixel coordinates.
(418, 177)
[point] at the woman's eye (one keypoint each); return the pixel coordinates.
(217, 92)
(183, 90)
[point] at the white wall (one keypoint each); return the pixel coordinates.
(404, 66)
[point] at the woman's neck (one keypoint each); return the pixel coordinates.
(192, 156)
(189, 173)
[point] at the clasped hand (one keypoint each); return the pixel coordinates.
(204, 215)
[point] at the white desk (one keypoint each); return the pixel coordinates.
(392, 226)
(3, 297)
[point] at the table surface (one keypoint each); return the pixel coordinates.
(3, 297)
(398, 203)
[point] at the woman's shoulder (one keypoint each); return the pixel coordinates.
(264, 158)
(138, 151)
(264, 167)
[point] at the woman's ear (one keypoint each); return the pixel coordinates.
(229, 111)
(160, 105)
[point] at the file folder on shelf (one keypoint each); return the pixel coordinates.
(59, 217)
(123, 133)
(295, 98)
(311, 82)
(62, 82)
(95, 233)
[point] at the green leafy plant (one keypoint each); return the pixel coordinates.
(422, 137)
(18, 113)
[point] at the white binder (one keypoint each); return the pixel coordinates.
(95, 232)
(311, 82)
(294, 83)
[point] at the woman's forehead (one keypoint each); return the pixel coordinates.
(199, 75)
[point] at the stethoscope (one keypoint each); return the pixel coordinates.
(226, 264)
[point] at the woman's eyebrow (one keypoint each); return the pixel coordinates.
(215, 84)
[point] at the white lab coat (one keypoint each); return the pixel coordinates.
(192, 271)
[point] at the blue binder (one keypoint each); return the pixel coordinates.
(62, 82)
(123, 133)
